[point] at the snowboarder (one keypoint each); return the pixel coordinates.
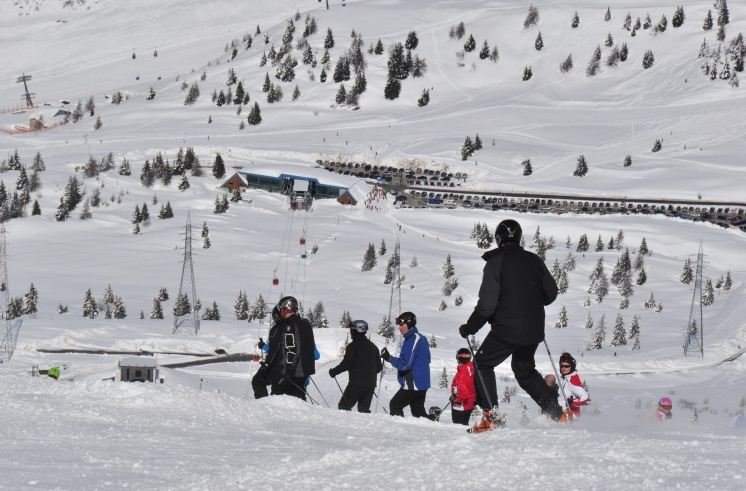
(463, 391)
(362, 361)
(413, 365)
(573, 387)
(663, 413)
(516, 285)
(291, 354)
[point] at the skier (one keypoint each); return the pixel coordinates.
(413, 365)
(463, 392)
(516, 285)
(573, 388)
(291, 354)
(362, 361)
(663, 413)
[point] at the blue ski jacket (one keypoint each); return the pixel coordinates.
(413, 362)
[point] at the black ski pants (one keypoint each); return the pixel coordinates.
(292, 386)
(362, 396)
(494, 351)
(415, 399)
(460, 417)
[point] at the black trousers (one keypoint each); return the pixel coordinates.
(362, 396)
(460, 417)
(292, 386)
(494, 351)
(415, 399)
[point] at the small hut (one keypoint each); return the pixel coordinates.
(138, 369)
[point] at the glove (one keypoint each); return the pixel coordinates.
(332, 373)
(260, 344)
(571, 401)
(385, 354)
(452, 398)
(463, 330)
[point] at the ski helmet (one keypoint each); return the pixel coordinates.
(463, 355)
(567, 358)
(434, 412)
(508, 231)
(290, 303)
(407, 318)
(275, 314)
(359, 326)
(665, 403)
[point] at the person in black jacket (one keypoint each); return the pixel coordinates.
(363, 362)
(516, 285)
(291, 355)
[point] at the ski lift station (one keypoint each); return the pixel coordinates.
(138, 369)
(300, 182)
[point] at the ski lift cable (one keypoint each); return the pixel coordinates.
(283, 245)
(287, 245)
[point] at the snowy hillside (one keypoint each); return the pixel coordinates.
(201, 428)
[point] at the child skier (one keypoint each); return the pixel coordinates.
(572, 386)
(463, 391)
(663, 413)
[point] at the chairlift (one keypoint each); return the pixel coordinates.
(302, 240)
(275, 279)
(304, 255)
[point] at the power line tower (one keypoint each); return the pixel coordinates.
(10, 327)
(694, 340)
(27, 96)
(186, 314)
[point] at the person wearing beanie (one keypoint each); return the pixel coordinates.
(362, 361)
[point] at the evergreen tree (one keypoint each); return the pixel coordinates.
(157, 311)
(588, 321)
(707, 24)
(650, 302)
(582, 244)
(727, 282)
(563, 284)
(648, 59)
(599, 335)
(470, 44)
(532, 18)
(619, 337)
(379, 47)
(642, 277)
(723, 13)
(607, 16)
(341, 94)
(192, 95)
(296, 93)
(424, 99)
(527, 170)
(566, 65)
(119, 311)
(678, 17)
(392, 89)
(443, 375)
(62, 212)
(708, 293)
(386, 328)
(562, 321)
(623, 52)
(182, 305)
(218, 167)
(687, 274)
(527, 73)
(90, 309)
(575, 20)
(255, 115)
(643, 249)
(628, 161)
(35, 210)
(329, 40)
(184, 183)
(581, 169)
(484, 53)
(443, 306)
(30, 300)
(369, 259)
(595, 63)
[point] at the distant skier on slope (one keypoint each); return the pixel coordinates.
(572, 384)
(291, 354)
(363, 362)
(516, 285)
(413, 365)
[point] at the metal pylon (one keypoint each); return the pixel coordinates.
(396, 283)
(694, 338)
(187, 286)
(10, 327)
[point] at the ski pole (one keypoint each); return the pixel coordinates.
(343, 394)
(442, 411)
(382, 407)
(556, 375)
(319, 390)
(481, 379)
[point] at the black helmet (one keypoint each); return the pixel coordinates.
(463, 355)
(508, 231)
(290, 303)
(567, 358)
(359, 326)
(434, 412)
(275, 314)
(407, 318)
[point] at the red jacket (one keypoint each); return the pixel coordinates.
(463, 387)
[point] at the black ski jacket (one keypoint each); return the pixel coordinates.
(516, 285)
(296, 336)
(362, 360)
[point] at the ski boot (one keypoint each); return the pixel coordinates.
(490, 420)
(566, 416)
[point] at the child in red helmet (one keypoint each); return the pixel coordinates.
(573, 388)
(463, 392)
(663, 413)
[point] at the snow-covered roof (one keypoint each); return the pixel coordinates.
(138, 362)
(321, 175)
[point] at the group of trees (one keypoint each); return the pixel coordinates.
(469, 146)
(112, 304)
(401, 66)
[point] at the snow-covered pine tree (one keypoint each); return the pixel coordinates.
(650, 302)
(470, 44)
(566, 65)
(563, 284)
(595, 63)
(707, 24)
(527, 169)
(119, 311)
(443, 376)
(708, 293)
(599, 335)
(527, 73)
(532, 18)
(413, 263)
(581, 169)
(182, 305)
(607, 16)
(648, 59)
(575, 22)
(634, 333)
(678, 17)
(157, 311)
(163, 294)
(569, 264)
(599, 244)
(562, 320)
(241, 307)
(31, 300)
(386, 328)
(642, 277)
(619, 337)
(643, 249)
(588, 321)
(582, 244)
(443, 306)
(369, 259)
(90, 308)
(727, 282)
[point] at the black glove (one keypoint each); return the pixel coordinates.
(332, 373)
(260, 344)
(452, 398)
(570, 400)
(463, 330)
(385, 354)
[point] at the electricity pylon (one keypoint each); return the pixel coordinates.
(186, 314)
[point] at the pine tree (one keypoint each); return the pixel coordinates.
(582, 167)
(595, 63)
(443, 375)
(643, 249)
(642, 277)
(650, 302)
(30, 301)
(36, 210)
(562, 321)
(484, 53)
(727, 282)
(90, 309)
(470, 44)
(708, 293)
(527, 73)
(182, 305)
(599, 335)
(607, 16)
(620, 334)
(575, 21)
(255, 115)
(648, 59)
(447, 268)
(386, 328)
(218, 167)
(341, 94)
(563, 283)
(582, 244)
(369, 259)
(707, 24)
(634, 333)
(329, 40)
(184, 183)
(424, 99)
(678, 17)
(588, 321)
